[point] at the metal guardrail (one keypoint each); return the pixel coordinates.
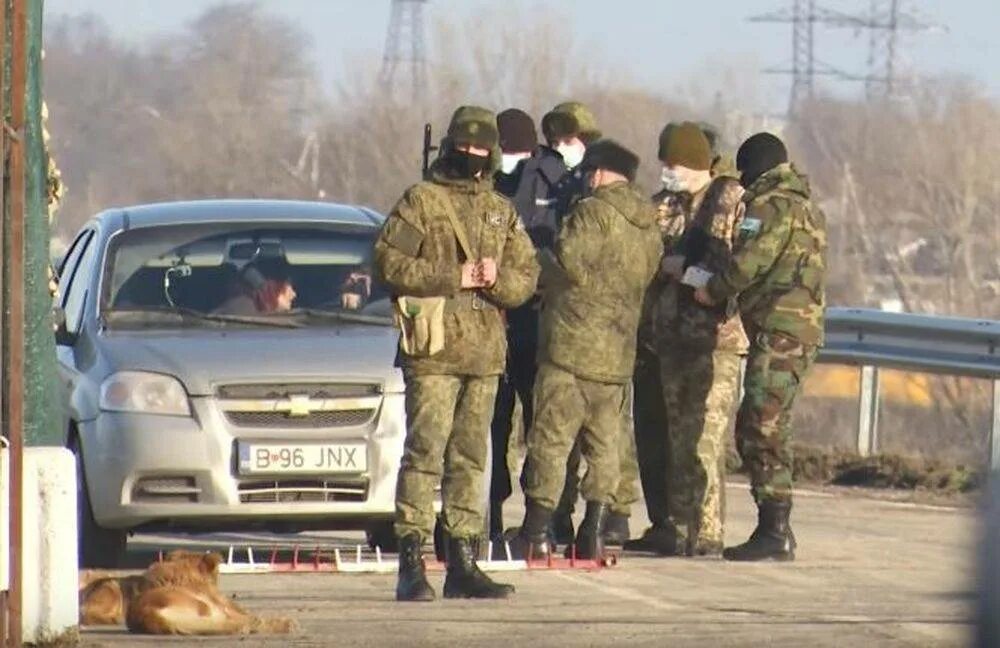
(874, 339)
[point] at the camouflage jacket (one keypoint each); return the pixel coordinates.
(779, 266)
(417, 254)
(683, 323)
(607, 253)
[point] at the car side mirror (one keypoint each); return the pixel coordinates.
(63, 336)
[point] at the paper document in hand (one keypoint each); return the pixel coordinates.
(696, 277)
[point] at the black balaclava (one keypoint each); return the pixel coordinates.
(466, 165)
(758, 155)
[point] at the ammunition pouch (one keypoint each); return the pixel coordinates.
(421, 324)
(421, 319)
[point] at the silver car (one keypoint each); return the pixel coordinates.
(228, 364)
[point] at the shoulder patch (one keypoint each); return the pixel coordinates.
(750, 225)
(404, 237)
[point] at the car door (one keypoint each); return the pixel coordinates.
(74, 279)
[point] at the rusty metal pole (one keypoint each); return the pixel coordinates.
(4, 598)
(14, 378)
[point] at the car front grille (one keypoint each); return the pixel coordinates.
(299, 406)
(346, 418)
(285, 390)
(302, 490)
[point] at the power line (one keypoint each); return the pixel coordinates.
(404, 47)
(804, 66)
(884, 21)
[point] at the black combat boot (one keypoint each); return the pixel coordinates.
(464, 579)
(590, 537)
(616, 530)
(662, 538)
(561, 528)
(771, 540)
(412, 584)
(533, 538)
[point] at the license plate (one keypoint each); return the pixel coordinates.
(311, 458)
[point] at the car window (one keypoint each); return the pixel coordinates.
(69, 261)
(78, 285)
(240, 269)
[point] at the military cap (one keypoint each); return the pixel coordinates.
(474, 125)
(570, 119)
(687, 146)
(609, 154)
(710, 131)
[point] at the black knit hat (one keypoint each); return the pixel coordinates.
(758, 155)
(609, 154)
(517, 131)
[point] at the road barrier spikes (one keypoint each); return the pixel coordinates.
(242, 561)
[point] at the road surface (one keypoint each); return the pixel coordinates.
(869, 573)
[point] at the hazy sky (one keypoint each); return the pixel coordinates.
(661, 43)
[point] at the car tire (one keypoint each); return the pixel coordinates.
(97, 547)
(383, 536)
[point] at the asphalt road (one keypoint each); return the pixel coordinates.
(869, 573)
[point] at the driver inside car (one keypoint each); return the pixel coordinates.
(259, 289)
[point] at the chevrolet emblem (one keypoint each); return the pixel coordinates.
(301, 405)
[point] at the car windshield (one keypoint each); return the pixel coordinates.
(239, 274)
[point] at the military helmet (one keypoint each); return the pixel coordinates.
(570, 119)
(474, 125)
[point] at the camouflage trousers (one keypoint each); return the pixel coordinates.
(447, 428)
(776, 368)
(627, 492)
(700, 390)
(569, 409)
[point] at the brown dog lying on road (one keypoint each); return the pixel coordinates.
(179, 595)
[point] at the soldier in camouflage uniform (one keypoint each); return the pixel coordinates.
(450, 394)
(659, 332)
(778, 274)
(569, 128)
(587, 347)
(699, 348)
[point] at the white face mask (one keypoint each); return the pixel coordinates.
(572, 154)
(672, 181)
(509, 161)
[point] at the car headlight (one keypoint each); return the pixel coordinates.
(147, 393)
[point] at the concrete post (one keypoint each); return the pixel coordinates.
(868, 406)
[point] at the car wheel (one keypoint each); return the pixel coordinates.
(383, 535)
(97, 547)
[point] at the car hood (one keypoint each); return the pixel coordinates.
(205, 358)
